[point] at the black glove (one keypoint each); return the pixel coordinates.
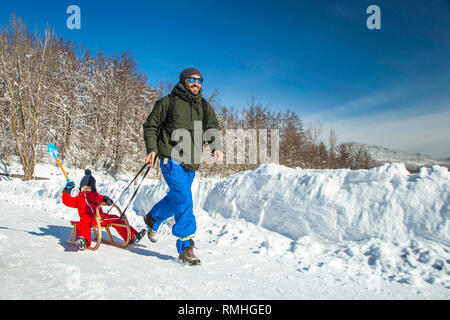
(69, 187)
(107, 200)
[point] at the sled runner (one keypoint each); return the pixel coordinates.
(104, 224)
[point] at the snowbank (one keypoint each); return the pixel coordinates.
(386, 202)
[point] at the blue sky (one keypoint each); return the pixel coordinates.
(387, 87)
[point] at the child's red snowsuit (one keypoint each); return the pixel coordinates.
(86, 203)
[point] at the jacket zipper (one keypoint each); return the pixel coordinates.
(92, 210)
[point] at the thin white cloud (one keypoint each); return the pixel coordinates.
(364, 104)
(411, 129)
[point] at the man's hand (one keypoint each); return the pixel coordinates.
(150, 160)
(218, 155)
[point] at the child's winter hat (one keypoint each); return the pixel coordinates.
(88, 180)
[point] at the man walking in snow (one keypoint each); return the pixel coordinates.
(183, 112)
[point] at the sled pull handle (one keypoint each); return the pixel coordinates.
(134, 194)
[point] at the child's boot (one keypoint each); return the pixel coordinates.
(80, 243)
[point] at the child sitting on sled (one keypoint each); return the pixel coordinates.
(86, 202)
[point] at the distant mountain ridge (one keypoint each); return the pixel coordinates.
(412, 161)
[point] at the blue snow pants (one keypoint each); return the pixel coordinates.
(177, 203)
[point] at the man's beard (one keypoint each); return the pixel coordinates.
(189, 87)
(192, 88)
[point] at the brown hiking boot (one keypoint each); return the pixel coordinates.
(188, 255)
(152, 235)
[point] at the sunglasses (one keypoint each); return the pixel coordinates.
(192, 80)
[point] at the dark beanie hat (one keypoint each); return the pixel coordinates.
(189, 72)
(88, 180)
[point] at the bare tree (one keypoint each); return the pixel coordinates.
(293, 139)
(313, 132)
(24, 69)
(332, 141)
(355, 156)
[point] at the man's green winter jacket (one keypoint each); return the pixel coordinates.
(159, 128)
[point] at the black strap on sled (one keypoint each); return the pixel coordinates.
(134, 194)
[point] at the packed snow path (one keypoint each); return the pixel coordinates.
(37, 263)
(244, 255)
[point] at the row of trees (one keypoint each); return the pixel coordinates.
(297, 146)
(93, 108)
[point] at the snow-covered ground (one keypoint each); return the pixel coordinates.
(270, 233)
